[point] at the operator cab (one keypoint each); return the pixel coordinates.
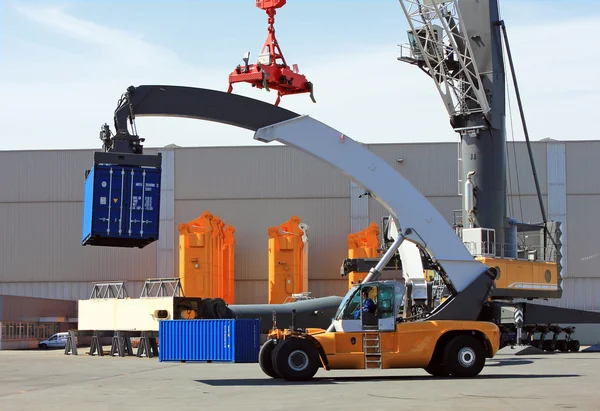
(356, 314)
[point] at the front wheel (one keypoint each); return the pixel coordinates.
(464, 356)
(437, 370)
(295, 359)
(265, 358)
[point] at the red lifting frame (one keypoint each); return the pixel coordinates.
(271, 72)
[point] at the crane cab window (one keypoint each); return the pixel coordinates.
(385, 298)
(351, 305)
(371, 302)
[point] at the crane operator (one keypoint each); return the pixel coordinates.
(368, 304)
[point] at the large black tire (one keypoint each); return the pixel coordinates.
(437, 370)
(574, 345)
(206, 309)
(219, 309)
(561, 345)
(464, 356)
(265, 358)
(295, 359)
(549, 346)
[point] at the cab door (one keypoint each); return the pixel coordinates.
(384, 317)
(386, 307)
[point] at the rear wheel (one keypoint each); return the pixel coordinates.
(295, 359)
(265, 358)
(464, 356)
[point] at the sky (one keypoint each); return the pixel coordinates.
(64, 65)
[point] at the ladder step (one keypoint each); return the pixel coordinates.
(372, 350)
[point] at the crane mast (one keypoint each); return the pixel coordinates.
(459, 45)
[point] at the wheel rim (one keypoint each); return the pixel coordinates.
(298, 360)
(466, 357)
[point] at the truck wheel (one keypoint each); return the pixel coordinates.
(437, 370)
(265, 358)
(295, 359)
(464, 357)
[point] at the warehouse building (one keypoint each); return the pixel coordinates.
(253, 188)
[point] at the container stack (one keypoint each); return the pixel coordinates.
(206, 258)
(288, 260)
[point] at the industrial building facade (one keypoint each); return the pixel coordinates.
(253, 188)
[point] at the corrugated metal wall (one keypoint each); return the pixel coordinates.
(253, 188)
(41, 203)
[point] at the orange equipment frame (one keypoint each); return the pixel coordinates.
(206, 258)
(362, 244)
(288, 260)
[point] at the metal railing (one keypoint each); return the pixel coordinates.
(406, 54)
(530, 253)
(27, 330)
(162, 287)
(298, 297)
(109, 289)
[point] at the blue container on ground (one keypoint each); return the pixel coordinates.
(231, 340)
(121, 205)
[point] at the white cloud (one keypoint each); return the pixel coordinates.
(51, 102)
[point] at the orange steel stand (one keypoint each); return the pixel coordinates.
(288, 260)
(206, 258)
(362, 244)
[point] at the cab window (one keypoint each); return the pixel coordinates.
(385, 299)
(353, 305)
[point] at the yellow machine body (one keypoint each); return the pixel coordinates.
(524, 278)
(410, 345)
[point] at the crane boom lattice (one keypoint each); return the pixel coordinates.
(439, 42)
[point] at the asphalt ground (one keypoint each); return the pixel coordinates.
(49, 380)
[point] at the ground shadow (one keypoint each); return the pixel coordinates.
(249, 382)
(507, 362)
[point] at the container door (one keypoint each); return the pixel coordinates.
(143, 202)
(109, 209)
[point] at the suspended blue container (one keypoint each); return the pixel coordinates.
(121, 206)
(232, 340)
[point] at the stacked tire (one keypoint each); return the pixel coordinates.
(216, 308)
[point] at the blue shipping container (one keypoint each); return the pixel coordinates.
(209, 340)
(121, 206)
